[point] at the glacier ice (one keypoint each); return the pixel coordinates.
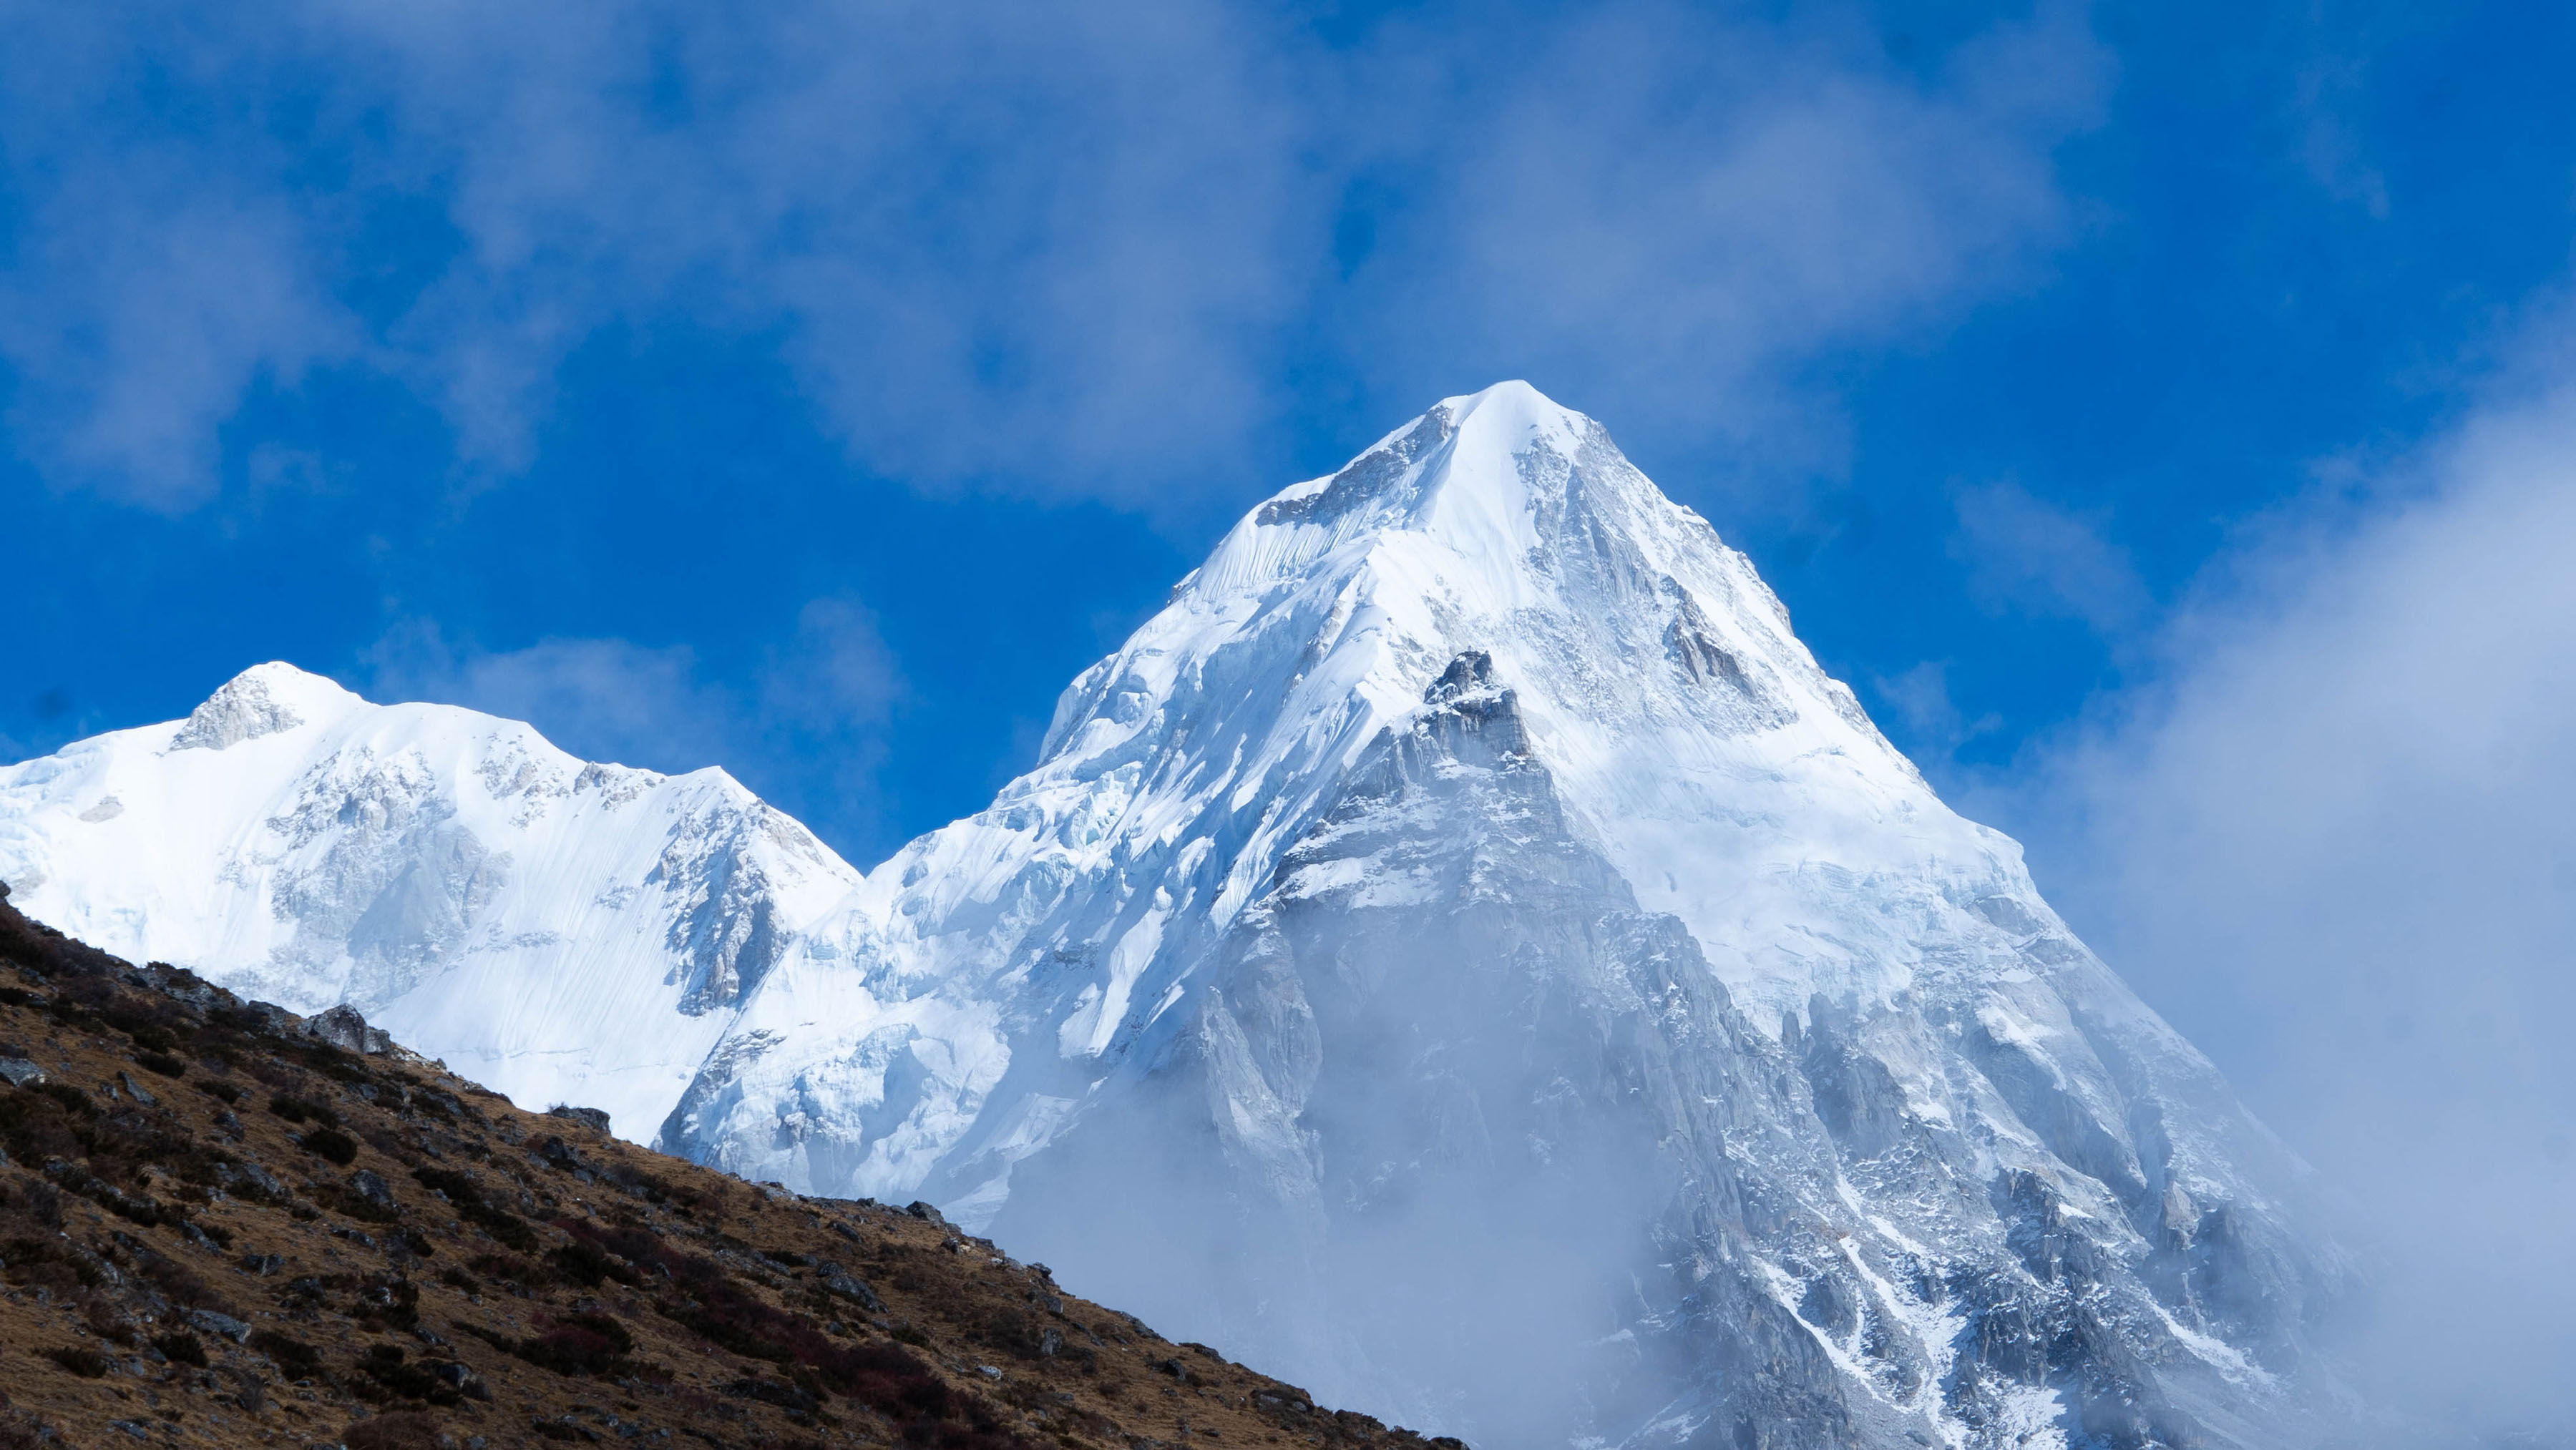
(1463, 953)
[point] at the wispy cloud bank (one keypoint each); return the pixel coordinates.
(1678, 205)
(1000, 245)
(2338, 845)
(1920, 695)
(822, 694)
(2026, 554)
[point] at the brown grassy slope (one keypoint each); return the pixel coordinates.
(216, 1228)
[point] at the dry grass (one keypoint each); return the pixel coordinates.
(219, 1231)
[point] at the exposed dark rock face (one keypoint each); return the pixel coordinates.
(725, 929)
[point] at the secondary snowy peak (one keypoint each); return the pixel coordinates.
(562, 929)
(262, 700)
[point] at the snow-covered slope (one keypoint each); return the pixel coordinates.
(560, 930)
(1462, 952)
(1465, 950)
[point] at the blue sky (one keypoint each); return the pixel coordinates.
(402, 348)
(2156, 412)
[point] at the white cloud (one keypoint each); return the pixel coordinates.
(601, 699)
(995, 239)
(1676, 206)
(2024, 553)
(823, 694)
(836, 674)
(148, 301)
(1047, 248)
(1934, 724)
(2338, 846)
(2330, 90)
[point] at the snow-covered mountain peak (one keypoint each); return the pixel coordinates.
(1456, 478)
(1657, 675)
(1463, 948)
(263, 700)
(1456, 471)
(1469, 853)
(562, 928)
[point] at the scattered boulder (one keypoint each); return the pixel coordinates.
(20, 1072)
(587, 1117)
(558, 1154)
(207, 1321)
(838, 1280)
(249, 1179)
(1282, 1401)
(344, 1028)
(273, 1019)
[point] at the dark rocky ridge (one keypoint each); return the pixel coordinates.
(224, 1224)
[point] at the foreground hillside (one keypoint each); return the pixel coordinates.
(224, 1224)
